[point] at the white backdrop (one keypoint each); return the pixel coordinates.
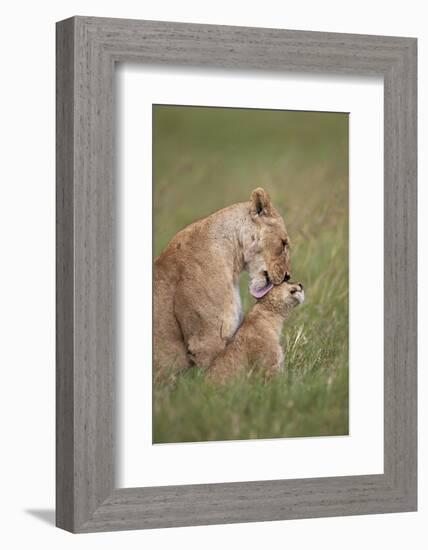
(27, 272)
(362, 451)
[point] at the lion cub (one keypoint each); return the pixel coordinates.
(256, 343)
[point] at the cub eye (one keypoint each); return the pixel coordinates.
(285, 242)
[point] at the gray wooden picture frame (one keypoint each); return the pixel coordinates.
(87, 51)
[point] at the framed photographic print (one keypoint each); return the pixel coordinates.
(236, 274)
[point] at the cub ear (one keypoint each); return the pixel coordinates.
(260, 202)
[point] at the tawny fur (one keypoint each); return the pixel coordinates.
(197, 306)
(256, 345)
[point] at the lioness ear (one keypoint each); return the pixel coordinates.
(260, 202)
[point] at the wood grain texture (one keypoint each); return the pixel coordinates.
(64, 276)
(87, 50)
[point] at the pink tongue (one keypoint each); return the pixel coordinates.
(260, 292)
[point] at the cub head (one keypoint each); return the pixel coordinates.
(266, 246)
(284, 297)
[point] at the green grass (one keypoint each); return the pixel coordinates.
(205, 159)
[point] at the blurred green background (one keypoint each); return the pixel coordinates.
(208, 158)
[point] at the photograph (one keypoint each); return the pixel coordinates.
(250, 273)
(210, 310)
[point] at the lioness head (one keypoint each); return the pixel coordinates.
(266, 246)
(284, 297)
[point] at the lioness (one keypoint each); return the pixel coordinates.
(197, 306)
(256, 343)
